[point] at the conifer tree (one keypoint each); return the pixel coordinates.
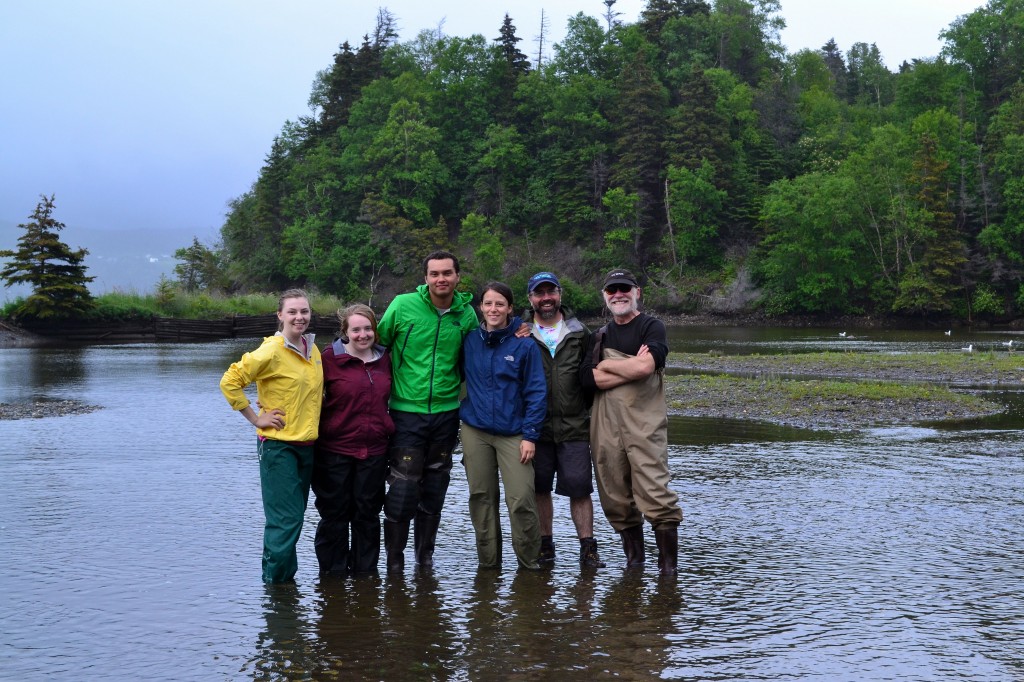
(931, 282)
(640, 119)
(513, 65)
(55, 271)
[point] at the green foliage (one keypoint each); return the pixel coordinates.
(694, 204)
(165, 292)
(196, 306)
(985, 301)
(8, 308)
(403, 160)
(200, 267)
(55, 272)
(482, 241)
(1004, 238)
(581, 300)
(679, 146)
(813, 260)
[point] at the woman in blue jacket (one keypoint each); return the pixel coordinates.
(504, 408)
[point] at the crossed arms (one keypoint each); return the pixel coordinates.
(613, 372)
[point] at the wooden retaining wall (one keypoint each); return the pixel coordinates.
(171, 329)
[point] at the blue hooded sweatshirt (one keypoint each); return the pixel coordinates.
(506, 393)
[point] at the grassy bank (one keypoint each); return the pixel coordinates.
(175, 303)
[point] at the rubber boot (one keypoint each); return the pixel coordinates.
(547, 551)
(668, 549)
(633, 545)
(589, 557)
(396, 537)
(424, 537)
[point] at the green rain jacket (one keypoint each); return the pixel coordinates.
(425, 348)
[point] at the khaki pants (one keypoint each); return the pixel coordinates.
(484, 456)
(629, 441)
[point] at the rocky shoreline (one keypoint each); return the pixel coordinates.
(38, 409)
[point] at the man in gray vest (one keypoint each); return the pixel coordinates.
(629, 424)
(564, 447)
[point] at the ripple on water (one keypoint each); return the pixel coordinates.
(132, 540)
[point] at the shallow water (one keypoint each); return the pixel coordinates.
(132, 543)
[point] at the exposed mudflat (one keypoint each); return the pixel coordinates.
(834, 391)
(37, 409)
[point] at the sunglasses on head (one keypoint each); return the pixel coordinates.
(618, 288)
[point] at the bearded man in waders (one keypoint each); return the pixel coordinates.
(629, 424)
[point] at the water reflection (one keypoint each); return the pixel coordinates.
(38, 374)
(128, 538)
(284, 649)
(635, 629)
(419, 630)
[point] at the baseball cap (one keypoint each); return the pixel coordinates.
(541, 278)
(619, 277)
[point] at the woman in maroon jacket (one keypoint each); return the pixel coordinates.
(350, 466)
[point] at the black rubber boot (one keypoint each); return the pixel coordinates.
(633, 546)
(668, 549)
(547, 551)
(424, 537)
(589, 557)
(396, 537)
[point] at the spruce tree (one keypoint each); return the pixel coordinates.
(55, 272)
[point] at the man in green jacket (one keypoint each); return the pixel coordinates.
(424, 330)
(564, 446)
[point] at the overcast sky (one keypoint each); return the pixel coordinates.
(152, 115)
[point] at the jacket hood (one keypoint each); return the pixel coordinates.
(338, 346)
(497, 336)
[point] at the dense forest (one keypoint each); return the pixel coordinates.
(688, 146)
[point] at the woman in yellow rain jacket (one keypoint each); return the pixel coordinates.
(289, 385)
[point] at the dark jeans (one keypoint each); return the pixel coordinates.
(349, 496)
(420, 457)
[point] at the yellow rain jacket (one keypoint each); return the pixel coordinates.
(286, 380)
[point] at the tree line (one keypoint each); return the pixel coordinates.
(688, 146)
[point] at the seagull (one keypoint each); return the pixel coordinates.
(948, 332)
(969, 349)
(1008, 344)
(842, 334)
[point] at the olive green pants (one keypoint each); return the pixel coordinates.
(285, 473)
(484, 456)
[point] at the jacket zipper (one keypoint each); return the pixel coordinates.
(433, 366)
(405, 342)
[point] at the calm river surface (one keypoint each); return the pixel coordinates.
(131, 542)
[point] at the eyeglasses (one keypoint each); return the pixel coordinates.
(618, 289)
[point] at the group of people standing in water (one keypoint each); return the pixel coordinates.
(372, 422)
